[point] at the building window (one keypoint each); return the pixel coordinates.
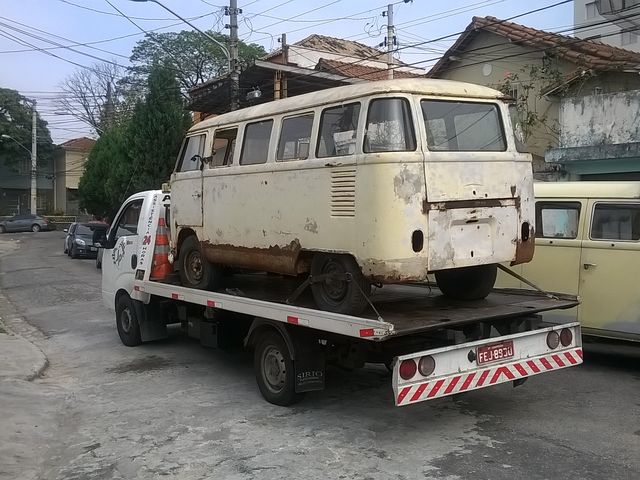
(592, 10)
(628, 38)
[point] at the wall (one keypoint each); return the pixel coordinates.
(69, 170)
(600, 119)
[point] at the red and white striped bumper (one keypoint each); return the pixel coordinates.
(474, 377)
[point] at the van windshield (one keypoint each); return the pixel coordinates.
(463, 126)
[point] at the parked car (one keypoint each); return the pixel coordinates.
(25, 223)
(67, 239)
(81, 238)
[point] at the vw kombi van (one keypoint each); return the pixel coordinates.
(588, 244)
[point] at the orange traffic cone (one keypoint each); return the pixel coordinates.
(161, 267)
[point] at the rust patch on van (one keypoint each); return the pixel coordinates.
(524, 250)
(474, 204)
(406, 184)
(276, 258)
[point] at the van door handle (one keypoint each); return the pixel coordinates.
(587, 266)
(134, 261)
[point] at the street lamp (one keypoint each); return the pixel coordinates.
(9, 137)
(232, 57)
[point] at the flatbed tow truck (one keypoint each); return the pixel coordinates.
(434, 346)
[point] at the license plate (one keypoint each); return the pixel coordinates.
(94, 249)
(494, 353)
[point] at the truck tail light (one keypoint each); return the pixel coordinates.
(566, 337)
(426, 365)
(407, 369)
(553, 339)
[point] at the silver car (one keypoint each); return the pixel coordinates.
(26, 223)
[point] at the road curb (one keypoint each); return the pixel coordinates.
(20, 357)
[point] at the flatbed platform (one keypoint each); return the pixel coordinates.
(402, 309)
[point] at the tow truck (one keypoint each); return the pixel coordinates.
(433, 346)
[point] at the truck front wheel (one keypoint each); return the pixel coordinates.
(127, 321)
(468, 283)
(195, 270)
(274, 369)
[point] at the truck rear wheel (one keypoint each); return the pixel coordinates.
(127, 321)
(468, 283)
(339, 294)
(195, 270)
(275, 371)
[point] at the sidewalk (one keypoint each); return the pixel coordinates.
(19, 358)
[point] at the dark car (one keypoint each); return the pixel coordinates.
(81, 238)
(26, 223)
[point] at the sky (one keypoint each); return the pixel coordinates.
(29, 26)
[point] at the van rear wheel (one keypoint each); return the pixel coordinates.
(195, 270)
(336, 292)
(468, 283)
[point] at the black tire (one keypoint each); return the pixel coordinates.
(127, 321)
(339, 295)
(2, 229)
(98, 264)
(469, 283)
(195, 270)
(275, 371)
(35, 228)
(74, 253)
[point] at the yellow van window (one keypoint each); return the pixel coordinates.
(557, 219)
(616, 222)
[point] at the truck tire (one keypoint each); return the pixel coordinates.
(468, 283)
(195, 270)
(275, 371)
(339, 295)
(127, 321)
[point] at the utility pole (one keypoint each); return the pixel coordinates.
(34, 146)
(233, 53)
(390, 41)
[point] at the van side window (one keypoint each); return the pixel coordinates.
(295, 138)
(193, 146)
(616, 222)
(557, 219)
(389, 126)
(338, 129)
(128, 221)
(463, 126)
(255, 146)
(223, 147)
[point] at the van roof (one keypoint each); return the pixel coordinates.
(441, 88)
(603, 189)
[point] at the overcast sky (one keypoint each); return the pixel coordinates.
(38, 75)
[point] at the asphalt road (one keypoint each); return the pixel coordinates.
(177, 410)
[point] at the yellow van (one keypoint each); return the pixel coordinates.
(588, 244)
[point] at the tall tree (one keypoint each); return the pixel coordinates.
(94, 96)
(156, 130)
(16, 122)
(192, 57)
(139, 153)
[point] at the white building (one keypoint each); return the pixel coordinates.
(616, 22)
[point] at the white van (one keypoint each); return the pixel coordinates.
(588, 244)
(374, 183)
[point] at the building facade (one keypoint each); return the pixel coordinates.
(70, 159)
(15, 187)
(616, 22)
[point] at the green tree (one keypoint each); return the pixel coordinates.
(156, 131)
(99, 188)
(139, 153)
(192, 57)
(15, 121)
